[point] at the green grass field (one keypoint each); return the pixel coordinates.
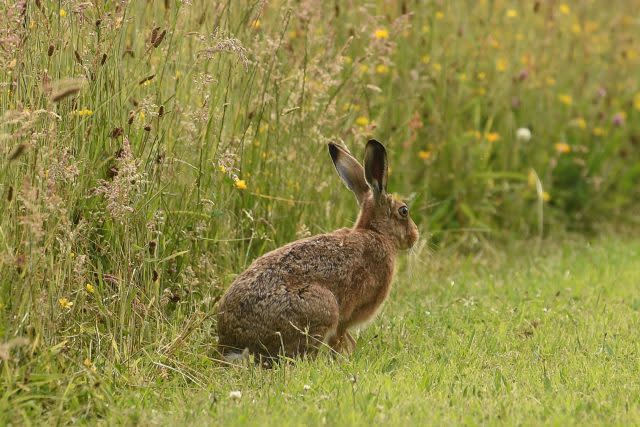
(523, 338)
(150, 150)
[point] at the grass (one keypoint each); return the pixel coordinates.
(504, 337)
(150, 150)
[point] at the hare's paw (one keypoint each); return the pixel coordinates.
(343, 343)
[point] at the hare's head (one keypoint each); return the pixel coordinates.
(379, 211)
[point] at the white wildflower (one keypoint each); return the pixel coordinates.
(523, 134)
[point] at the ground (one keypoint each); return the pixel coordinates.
(510, 337)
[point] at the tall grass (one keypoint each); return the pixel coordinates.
(150, 150)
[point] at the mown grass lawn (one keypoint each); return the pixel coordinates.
(502, 338)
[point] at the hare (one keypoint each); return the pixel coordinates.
(308, 293)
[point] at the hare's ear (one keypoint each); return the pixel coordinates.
(349, 170)
(376, 167)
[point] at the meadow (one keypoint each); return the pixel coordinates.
(150, 150)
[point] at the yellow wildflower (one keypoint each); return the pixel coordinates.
(89, 287)
(550, 81)
(562, 147)
(565, 99)
(598, 131)
(362, 121)
(462, 77)
(512, 13)
(240, 184)
(426, 59)
(347, 59)
(80, 113)
(424, 154)
(546, 196)
(492, 136)
(425, 29)
(481, 91)
(437, 67)
(65, 303)
(636, 101)
(63, 13)
(89, 365)
(381, 34)
(579, 122)
(576, 28)
(501, 65)
(142, 116)
(564, 9)
(256, 24)
(590, 26)
(482, 75)
(439, 15)
(382, 69)
(32, 25)
(222, 169)
(363, 68)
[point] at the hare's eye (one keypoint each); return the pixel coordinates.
(403, 211)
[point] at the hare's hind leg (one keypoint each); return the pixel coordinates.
(312, 315)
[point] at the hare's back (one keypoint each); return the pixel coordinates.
(318, 259)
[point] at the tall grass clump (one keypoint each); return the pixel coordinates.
(150, 150)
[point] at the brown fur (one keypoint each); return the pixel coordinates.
(311, 291)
